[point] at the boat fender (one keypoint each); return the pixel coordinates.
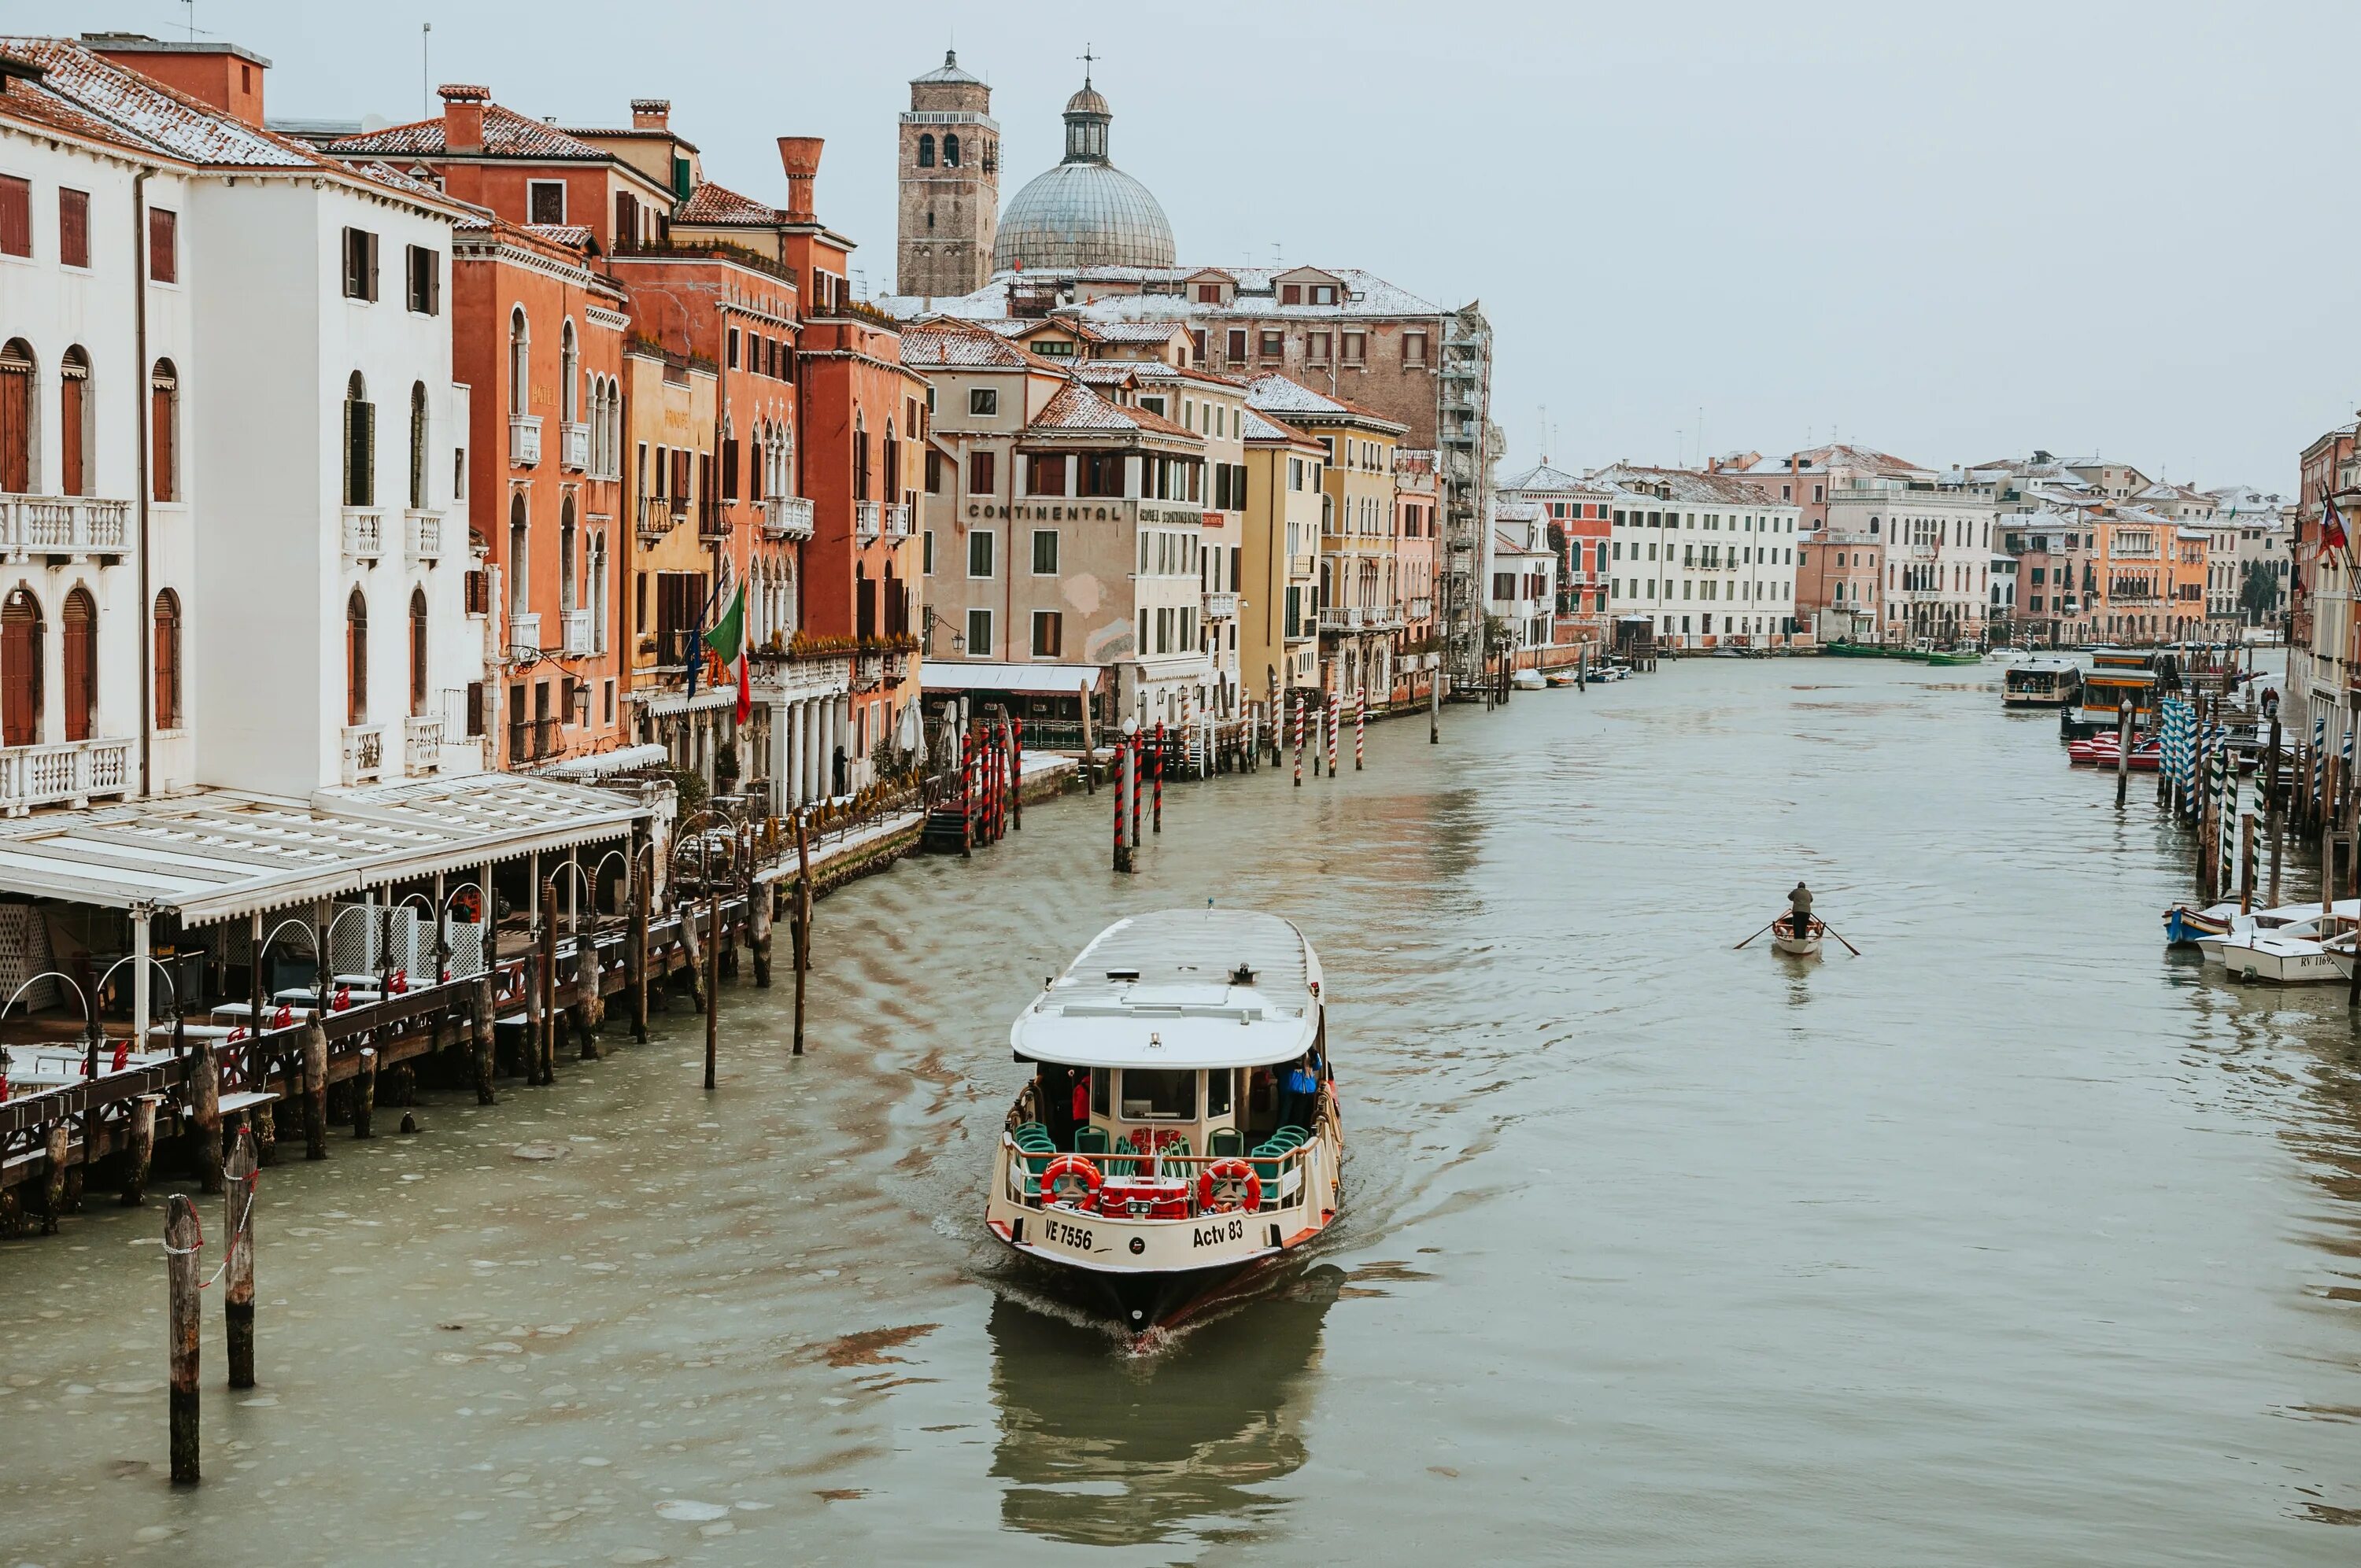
(1227, 1185)
(1071, 1166)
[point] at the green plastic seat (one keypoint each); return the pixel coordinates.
(1090, 1140)
(1225, 1141)
(1302, 1134)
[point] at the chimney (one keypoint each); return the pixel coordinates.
(222, 74)
(651, 113)
(801, 156)
(463, 116)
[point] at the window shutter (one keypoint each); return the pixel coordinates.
(347, 492)
(75, 482)
(73, 227)
(369, 454)
(729, 470)
(475, 707)
(15, 423)
(16, 215)
(370, 241)
(160, 425)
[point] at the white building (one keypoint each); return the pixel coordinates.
(284, 610)
(1938, 538)
(1521, 592)
(1711, 557)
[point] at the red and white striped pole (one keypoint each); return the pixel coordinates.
(1360, 723)
(1158, 818)
(1299, 740)
(1333, 716)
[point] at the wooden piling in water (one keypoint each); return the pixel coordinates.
(1016, 774)
(2123, 751)
(238, 1277)
(758, 930)
(364, 1093)
(2274, 820)
(315, 1092)
(1159, 826)
(182, 1240)
(638, 980)
(712, 976)
(54, 1177)
(800, 939)
(204, 1115)
(481, 1012)
(544, 990)
(2246, 862)
(142, 1150)
(266, 1134)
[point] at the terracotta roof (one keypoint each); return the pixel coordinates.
(711, 204)
(1275, 393)
(942, 343)
(1076, 407)
(1262, 427)
(1542, 476)
(1687, 485)
(94, 92)
(507, 134)
(576, 236)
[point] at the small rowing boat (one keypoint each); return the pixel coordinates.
(2100, 752)
(1807, 945)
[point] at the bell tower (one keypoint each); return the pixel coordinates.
(950, 171)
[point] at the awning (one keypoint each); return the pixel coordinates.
(218, 853)
(722, 696)
(985, 676)
(605, 764)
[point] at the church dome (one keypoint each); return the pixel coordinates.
(1085, 212)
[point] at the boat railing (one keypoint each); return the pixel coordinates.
(1282, 1177)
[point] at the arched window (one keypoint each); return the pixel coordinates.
(950, 149)
(418, 445)
(164, 431)
(893, 463)
(519, 601)
(1873, 528)
(80, 623)
(926, 149)
(168, 660)
(74, 424)
(21, 637)
(17, 410)
(360, 445)
(566, 579)
(356, 658)
(859, 457)
(569, 364)
(519, 362)
(418, 652)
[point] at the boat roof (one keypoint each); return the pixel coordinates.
(1166, 990)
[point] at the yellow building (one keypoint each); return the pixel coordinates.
(1279, 625)
(669, 409)
(1361, 600)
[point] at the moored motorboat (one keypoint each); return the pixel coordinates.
(2283, 961)
(1527, 680)
(2285, 920)
(2100, 751)
(1194, 1159)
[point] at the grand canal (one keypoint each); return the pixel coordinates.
(2011, 1241)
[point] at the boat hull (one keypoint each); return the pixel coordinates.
(1796, 946)
(2183, 926)
(2281, 962)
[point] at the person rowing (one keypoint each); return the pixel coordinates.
(1799, 910)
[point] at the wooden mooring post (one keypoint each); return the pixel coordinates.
(204, 1115)
(2246, 862)
(1158, 823)
(2123, 751)
(182, 1237)
(315, 1092)
(545, 987)
(712, 976)
(482, 1011)
(642, 890)
(142, 1151)
(2274, 820)
(364, 1093)
(800, 937)
(237, 1279)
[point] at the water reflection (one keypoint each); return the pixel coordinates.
(1101, 1448)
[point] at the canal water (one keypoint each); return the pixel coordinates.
(2012, 1240)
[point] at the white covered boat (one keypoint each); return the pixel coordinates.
(2283, 961)
(1192, 1160)
(2286, 920)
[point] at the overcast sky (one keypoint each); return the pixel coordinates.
(1957, 233)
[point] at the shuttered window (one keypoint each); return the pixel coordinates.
(73, 227)
(20, 670)
(80, 624)
(418, 652)
(15, 418)
(73, 418)
(360, 448)
(425, 271)
(163, 410)
(15, 216)
(475, 707)
(163, 246)
(355, 659)
(168, 661)
(360, 264)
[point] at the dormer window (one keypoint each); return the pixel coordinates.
(1324, 293)
(1290, 293)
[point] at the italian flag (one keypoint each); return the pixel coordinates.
(728, 641)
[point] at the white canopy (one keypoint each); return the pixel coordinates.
(984, 674)
(217, 854)
(1166, 990)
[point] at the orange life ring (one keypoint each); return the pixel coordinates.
(1070, 1164)
(1236, 1176)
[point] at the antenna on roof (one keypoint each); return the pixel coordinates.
(425, 32)
(190, 9)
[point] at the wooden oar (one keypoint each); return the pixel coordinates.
(1833, 931)
(1774, 921)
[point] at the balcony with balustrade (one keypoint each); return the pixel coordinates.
(581, 631)
(62, 525)
(787, 517)
(574, 447)
(364, 535)
(1221, 607)
(524, 633)
(364, 754)
(897, 521)
(422, 537)
(524, 440)
(868, 521)
(74, 774)
(657, 516)
(421, 747)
